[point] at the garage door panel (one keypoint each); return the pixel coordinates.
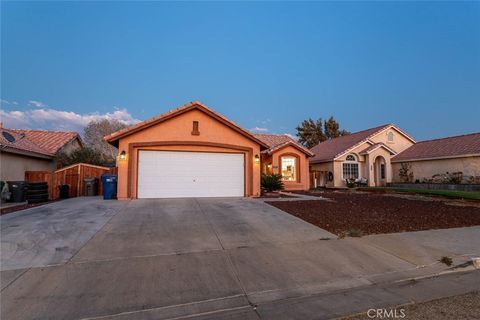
(169, 174)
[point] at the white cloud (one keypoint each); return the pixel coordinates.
(258, 130)
(291, 136)
(37, 104)
(52, 119)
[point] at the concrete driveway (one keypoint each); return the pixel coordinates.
(172, 258)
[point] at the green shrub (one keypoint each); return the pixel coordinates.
(271, 182)
(355, 233)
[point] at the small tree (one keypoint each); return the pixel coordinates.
(271, 182)
(84, 155)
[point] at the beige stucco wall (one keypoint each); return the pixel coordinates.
(470, 166)
(372, 168)
(13, 166)
(303, 181)
(179, 130)
(399, 144)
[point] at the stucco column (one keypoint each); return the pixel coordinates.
(370, 174)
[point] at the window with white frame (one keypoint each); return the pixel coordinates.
(350, 168)
(289, 168)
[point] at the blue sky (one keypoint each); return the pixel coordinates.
(266, 65)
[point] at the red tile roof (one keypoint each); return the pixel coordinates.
(114, 137)
(273, 140)
(278, 141)
(330, 149)
(49, 141)
(20, 143)
(457, 146)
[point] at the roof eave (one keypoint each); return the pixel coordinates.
(292, 144)
(26, 153)
(321, 161)
(436, 158)
(114, 137)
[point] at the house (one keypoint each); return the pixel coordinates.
(54, 142)
(32, 150)
(193, 151)
(287, 157)
(425, 159)
(365, 154)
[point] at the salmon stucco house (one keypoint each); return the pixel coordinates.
(193, 151)
(364, 156)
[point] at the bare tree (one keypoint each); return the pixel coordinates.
(94, 133)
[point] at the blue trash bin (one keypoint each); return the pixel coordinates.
(109, 184)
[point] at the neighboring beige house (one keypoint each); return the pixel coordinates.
(425, 159)
(32, 150)
(365, 155)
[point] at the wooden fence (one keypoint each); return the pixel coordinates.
(72, 176)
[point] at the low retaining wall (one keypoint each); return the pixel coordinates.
(437, 186)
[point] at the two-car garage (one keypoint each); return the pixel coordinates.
(190, 151)
(173, 174)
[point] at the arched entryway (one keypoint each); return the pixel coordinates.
(380, 171)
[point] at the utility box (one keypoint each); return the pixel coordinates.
(90, 187)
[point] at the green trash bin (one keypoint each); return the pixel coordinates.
(18, 190)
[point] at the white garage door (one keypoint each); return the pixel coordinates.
(169, 174)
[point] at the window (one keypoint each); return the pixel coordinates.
(350, 158)
(289, 168)
(390, 137)
(350, 168)
(382, 171)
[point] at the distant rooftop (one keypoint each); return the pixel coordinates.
(457, 146)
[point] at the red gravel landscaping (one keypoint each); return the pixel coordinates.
(375, 213)
(21, 207)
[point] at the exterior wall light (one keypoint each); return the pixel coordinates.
(257, 158)
(123, 156)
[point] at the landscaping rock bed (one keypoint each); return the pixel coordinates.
(378, 213)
